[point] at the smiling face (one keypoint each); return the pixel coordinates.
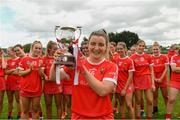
(112, 47)
(121, 50)
(85, 50)
(140, 47)
(19, 51)
(36, 49)
(156, 50)
(133, 50)
(97, 47)
(10, 52)
(53, 49)
(177, 50)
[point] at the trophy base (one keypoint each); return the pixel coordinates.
(66, 60)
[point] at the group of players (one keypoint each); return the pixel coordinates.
(142, 65)
(21, 78)
(26, 76)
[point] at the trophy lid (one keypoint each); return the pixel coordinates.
(68, 28)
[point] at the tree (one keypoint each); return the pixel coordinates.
(128, 37)
(27, 48)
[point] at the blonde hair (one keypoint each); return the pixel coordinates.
(32, 45)
(155, 44)
(122, 44)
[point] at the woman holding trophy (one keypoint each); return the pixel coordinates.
(96, 79)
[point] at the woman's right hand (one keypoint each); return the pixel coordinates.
(58, 53)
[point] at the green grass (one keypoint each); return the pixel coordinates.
(5, 109)
(162, 109)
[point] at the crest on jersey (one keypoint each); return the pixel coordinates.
(102, 70)
(28, 62)
(141, 59)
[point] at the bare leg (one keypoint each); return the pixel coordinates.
(149, 100)
(25, 102)
(35, 107)
(48, 101)
(58, 100)
(1, 100)
(129, 101)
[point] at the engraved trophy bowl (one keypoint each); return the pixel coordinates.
(66, 37)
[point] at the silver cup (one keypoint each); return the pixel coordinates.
(67, 36)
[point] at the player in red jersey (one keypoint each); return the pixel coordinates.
(113, 55)
(171, 51)
(31, 83)
(96, 80)
(51, 89)
(129, 53)
(133, 49)
(67, 93)
(84, 48)
(174, 82)
(18, 49)
(124, 87)
(12, 82)
(143, 78)
(160, 66)
(113, 52)
(3, 65)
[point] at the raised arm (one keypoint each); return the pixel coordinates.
(102, 88)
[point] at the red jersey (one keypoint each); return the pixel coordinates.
(2, 80)
(86, 101)
(171, 53)
(1, 69)
(114, 57)
(31, 82)
(125, 65)
(176, 61)
(13, 80)
(159, 63)
(141, 64)
(50, 87)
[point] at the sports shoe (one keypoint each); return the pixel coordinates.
(143, 114)
(10, 118)
(64, 114)
(116, 110)
(41, 118)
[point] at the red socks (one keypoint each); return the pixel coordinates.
(40, 114)
(168, 116)
(30, 114)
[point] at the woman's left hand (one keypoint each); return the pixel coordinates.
(123, 92)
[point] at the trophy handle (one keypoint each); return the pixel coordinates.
(56, 27)
(80, 31)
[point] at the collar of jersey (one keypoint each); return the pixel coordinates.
(95, 63)
(140, 54)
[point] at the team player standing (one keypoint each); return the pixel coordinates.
(12, 82)
(137, 74)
